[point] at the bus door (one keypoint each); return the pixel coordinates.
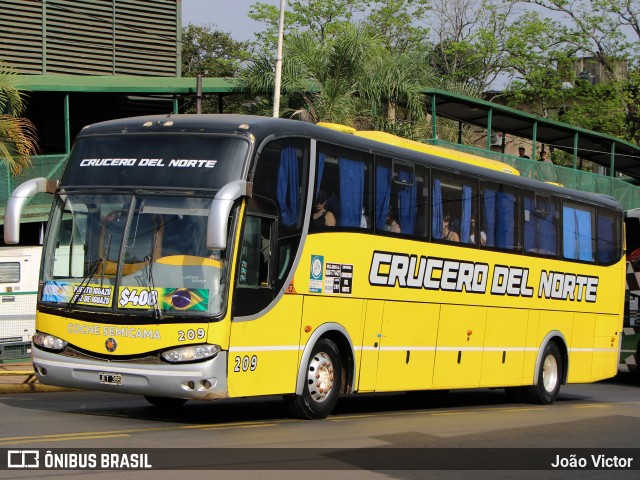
(263, 352)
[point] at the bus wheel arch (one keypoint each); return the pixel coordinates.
(327, 361)
(551, 371)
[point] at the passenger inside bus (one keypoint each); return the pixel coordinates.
(324, 211)
(473, 238)
(392, 224)
(447, 233)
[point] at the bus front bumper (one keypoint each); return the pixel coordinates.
(199, 381)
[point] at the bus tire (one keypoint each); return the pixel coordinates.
(165, 402)
(323, 379)
(547, 388)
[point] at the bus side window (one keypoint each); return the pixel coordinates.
(501, 208)
(578, 229)
(609, 246)
(255, 255)
(344, 179)
(454, 206)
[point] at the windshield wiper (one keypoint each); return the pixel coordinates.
(149, 259)
(93, 268)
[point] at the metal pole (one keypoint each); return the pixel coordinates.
(199, 93)
(278, 80)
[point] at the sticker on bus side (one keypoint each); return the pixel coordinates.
(338, 278)
(330, 278)
(316, 274)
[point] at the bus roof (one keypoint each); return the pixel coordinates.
(389, 138)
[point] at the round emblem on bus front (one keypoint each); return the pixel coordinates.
(111, 344)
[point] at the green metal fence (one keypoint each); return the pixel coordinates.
(627, 194)
(49, 166)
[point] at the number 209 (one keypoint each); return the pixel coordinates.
(245, 363)
(191, 334)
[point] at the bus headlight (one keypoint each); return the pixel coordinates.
(49, 342)
(191, 353)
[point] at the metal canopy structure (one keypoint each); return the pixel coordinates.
(123, 84)
(611, 152)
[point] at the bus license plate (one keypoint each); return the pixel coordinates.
(111, 378)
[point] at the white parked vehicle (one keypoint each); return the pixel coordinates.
(19, 268)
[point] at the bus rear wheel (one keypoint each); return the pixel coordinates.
(547, 388)
(323, 378)
(165, 402)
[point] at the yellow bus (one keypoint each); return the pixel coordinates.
(217, 256)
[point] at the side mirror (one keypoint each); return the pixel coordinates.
(220, 210)
(18, 199)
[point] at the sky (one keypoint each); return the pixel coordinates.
(228, 16)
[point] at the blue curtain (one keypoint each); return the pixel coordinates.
(288, 186)
(383, 195)
(465, 228)
(606, 247)
(320, 169)
(437, 214)
(505, 220)
(585, 237)
(490, 216)
(576, 234)
(531, 240)
(570, 242)
(548, 231)
(351, 192)
(540, 231)
(407, 196)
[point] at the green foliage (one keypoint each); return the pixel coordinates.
(321, 18)
(542, 47)
(351, 78)
(398, 22)
(211, 52)
(18, 139)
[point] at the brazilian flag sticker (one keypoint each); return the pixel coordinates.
(184, 299)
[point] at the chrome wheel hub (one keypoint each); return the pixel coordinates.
(550, 373)
(320, 377)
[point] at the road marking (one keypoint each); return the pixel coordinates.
(65, 438)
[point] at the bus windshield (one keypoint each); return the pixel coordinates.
(133, 253)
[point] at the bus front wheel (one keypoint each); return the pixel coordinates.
(547, 388)
(323, 377)
(165, 402)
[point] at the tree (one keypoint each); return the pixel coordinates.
(212, 53)
(351, 78)
(322, 18)
(401, 24)
(18, 139)
(320, 80)
(608, 30)
(468, 40)
(543, 45)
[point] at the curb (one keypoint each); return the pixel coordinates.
(31, 388)
(29, 385)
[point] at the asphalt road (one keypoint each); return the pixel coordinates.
(604, 415)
